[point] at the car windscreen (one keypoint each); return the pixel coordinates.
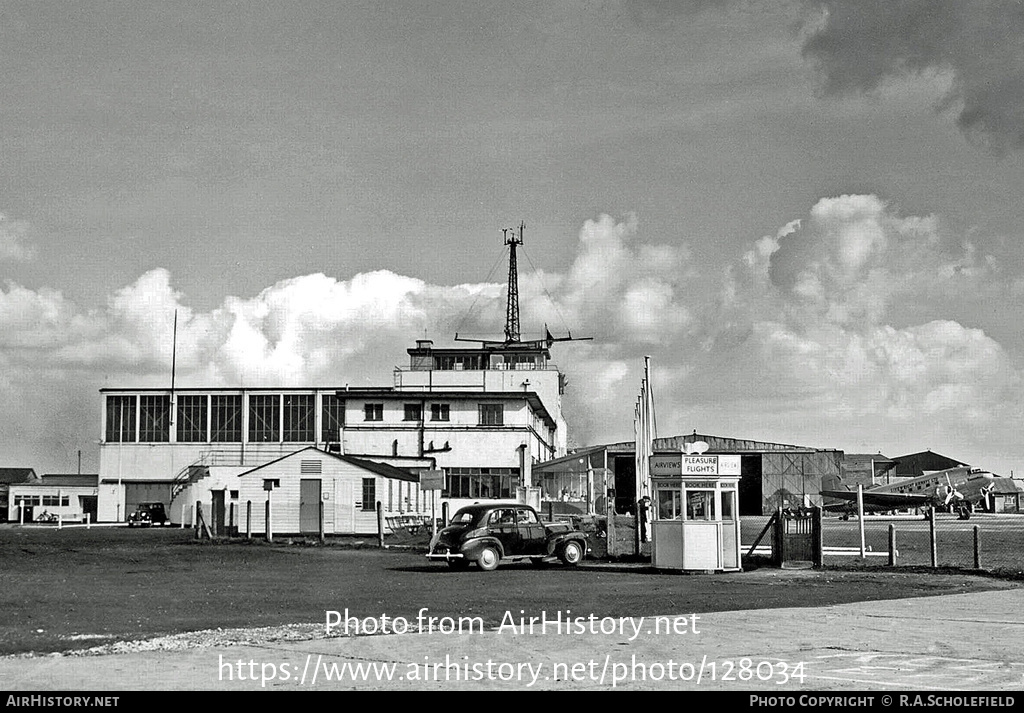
(464, 517)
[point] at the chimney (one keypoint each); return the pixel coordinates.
(525, 466)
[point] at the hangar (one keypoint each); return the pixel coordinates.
(773, 474)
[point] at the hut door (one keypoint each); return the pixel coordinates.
(219, 524)
(309, 506)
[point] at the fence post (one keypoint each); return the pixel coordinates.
(892, 545)
(199, 516)
(248, 519)
(778, 538)
(322, 522)
(444, 514)
(267, 528)
(860, 519)
(609, 530)
(977, 547)
(380, 524)
(931, 534)
(819, 537)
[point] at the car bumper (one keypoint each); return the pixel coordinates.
(446, 556)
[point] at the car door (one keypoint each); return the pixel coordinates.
(532, 536)
(502, 525)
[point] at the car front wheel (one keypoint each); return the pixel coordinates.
(488, 559)
(572, 553)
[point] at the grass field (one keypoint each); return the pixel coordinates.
(74, 588)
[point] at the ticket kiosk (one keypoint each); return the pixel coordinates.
(695, 515)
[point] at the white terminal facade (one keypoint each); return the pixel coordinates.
(481, 414)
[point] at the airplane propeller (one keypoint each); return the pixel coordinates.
(951, 492)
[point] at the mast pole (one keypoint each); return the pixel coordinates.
(174, 364)
(512, 331)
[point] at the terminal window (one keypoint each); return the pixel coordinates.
(226, 418)
(192, 419)
(481, 482)
(373, 412)
(264, 418)
(491, 415)
(299, 417)
(154, 422)
(333, 418)
(120, 419)
(440, 412)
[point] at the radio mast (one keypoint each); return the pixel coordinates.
(512, 333)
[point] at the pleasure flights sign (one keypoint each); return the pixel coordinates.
(679, 464)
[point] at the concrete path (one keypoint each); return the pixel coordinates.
(964, 642)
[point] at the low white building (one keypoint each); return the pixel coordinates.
(310, 484)
(71, 497)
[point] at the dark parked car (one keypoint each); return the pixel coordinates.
(147, 514)
(493, 533)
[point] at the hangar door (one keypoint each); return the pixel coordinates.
(625, 484)
(309, 506)
(135, 493)
(751, 500)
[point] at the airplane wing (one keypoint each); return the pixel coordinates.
(883, 501)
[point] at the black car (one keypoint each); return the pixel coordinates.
(147, 514)
(493, 533)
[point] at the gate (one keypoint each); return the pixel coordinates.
(796, 537)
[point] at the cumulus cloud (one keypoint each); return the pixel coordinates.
(860, 44)
(13, 240)
(623, 290)
(812, 322)
(803, 339)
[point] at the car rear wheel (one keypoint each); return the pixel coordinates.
(572, 553)
(488, 559)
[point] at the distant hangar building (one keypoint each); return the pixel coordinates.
(773, 474)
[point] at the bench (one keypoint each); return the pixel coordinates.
(410, 523)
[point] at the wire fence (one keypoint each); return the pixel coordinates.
(988, 542)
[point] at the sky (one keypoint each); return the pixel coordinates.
(807, 213)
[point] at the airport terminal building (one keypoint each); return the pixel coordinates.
(482, 415)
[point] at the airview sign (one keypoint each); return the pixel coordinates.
(695, 465)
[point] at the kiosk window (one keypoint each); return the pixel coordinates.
(668, 505)
(727, 501)
(700, 505)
